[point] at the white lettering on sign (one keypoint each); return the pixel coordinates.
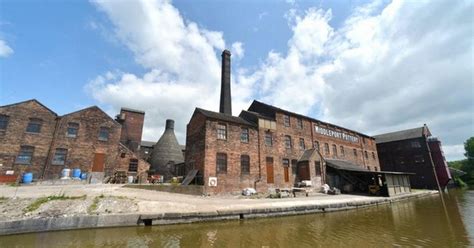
(336, 134)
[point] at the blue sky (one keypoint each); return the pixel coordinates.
(369, 66)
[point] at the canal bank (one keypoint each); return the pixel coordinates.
(159, 208)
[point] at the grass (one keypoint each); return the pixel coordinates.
(40, 201)
(95, 204)
(3, 198)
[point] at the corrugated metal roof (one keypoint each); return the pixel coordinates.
(147, 143)
(345, 165)
(400, 135)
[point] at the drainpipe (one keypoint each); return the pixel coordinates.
(259, 161)
(49, 154)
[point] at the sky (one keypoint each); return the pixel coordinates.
(370, 66)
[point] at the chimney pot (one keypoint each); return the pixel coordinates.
(169, 124)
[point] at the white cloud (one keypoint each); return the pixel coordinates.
(5, 50)
(386, 68)
(238, 50)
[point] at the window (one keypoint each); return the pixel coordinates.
(59, 157)
(72, 129)
(221, 131)
(317, 165)
(286, 120)
(316, 145)
(268, 139)
(294, 166)
(415, 144)
(355, 153)
(133, 165)
(3, 122)
(342, 151)
(25, 155)
(302, 146)
(419, 159)
(244, 164)
(104, 133)
(287, 142)
(299, 123)
(400, 160)
(368, 167)
(366, 155)
(326, 148)
(221, 161)
(34, 126)
(334, 150)
(244, 135)
(286, 162)
(363, 140)
(373, 155)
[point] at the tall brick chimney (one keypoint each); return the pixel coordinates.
(225, 106)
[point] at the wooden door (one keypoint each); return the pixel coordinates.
(303, 171)
(99, 161)
(287, 174)
(270, 170)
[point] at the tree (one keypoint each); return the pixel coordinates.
(469, 147)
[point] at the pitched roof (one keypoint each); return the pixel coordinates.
(147, 143)
(256, 104)
(132, 110)
(345, 165)
(89, 108)
(400, 135)
(223, 117)
(308, 154)
(31, 100)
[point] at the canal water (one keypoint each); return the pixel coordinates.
(424, 222)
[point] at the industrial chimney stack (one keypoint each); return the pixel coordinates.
(225, 106)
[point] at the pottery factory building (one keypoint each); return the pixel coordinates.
(269, 147)
(35, 139)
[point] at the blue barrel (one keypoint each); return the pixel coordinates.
(83, 176)
(27, 178)
(76, 173)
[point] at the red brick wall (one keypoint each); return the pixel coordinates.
(16, 135)
(132, 128)
(195, 143)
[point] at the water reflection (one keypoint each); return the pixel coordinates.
(421, 222)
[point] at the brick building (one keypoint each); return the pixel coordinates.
(35, 139)
(267, 147)
(417, 151)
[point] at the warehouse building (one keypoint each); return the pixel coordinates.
(35, 139)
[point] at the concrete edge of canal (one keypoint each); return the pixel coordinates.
(135, 219)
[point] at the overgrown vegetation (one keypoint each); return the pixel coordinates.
(40, 201)
(95, 204)
(466, 165)
(3, 198)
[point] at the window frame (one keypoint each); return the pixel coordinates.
(244, 164)
(326, 149)
(268, 139)
(133, 161)
(288, 142)
(32, 148)
(221, 168)
(334, 150)
(4, 120)
(54, 160)
(34, 122)
(72, 126)
(343, 152)
(316, 145)
(302, 144)
(299, 123)
(244, 135)
(221, 132)
(355, 152)
(101, 131)
(286, 120)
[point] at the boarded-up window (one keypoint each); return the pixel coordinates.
(286, 120)
(25, 155)
(221, 131)
(221, 163)
(59, 157)
(72, 129)
(133, 165)
(287, 142)
(244, 164)
(244, 135)
(4, 122)
(34, 126)
(104, 134)
(268, 139)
